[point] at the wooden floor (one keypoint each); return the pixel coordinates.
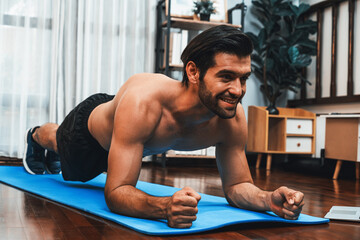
(26, 216)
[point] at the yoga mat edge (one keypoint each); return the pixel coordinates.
(89, 197)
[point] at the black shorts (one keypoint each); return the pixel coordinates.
(82, 157)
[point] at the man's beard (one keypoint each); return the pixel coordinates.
(212, 102)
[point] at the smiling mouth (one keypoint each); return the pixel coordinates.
(230, 100)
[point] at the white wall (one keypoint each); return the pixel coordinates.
(342, 63)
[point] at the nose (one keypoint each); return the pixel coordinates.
(236, 88)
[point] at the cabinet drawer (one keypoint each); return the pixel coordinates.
(299, 126)
(298, 144)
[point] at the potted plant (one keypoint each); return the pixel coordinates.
(282, 47)
(205, 8)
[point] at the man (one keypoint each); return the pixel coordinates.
(151, 114)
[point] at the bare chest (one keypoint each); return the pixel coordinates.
(170, 135)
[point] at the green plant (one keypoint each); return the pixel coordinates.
(282, 48)
(205, 7)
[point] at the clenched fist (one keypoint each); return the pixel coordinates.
(182, 208)
(287, 203)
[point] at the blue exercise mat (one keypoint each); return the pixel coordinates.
(214, 212)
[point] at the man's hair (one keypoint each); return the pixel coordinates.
(220, 39)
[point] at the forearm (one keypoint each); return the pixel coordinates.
(130, 201)
(248, 196)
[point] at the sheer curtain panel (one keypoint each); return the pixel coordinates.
(55, 53)
(25, 40)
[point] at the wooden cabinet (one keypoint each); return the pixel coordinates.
(290, 132)
(342, 140)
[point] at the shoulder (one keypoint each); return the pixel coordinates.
(147, 86)
(142, 89)
(136, 105)
(150, 88)
(140, 102)
(143, 80)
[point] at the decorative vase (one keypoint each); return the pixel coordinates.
(272, 109)
(204, 17)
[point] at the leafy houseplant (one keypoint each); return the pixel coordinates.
(205, 8)
(282, 48)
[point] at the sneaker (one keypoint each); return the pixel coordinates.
(52, 162)
(34, 154)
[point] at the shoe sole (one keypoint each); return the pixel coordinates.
(25, 152)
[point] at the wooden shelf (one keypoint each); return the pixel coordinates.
(290, 132)
(187, 156)
(298, 135)
(282, 152)
(288, 117)
(189, 24)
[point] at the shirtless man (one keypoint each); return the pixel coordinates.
(152, 113)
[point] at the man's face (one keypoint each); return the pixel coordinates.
(224, 84)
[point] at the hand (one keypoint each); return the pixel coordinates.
(287, 203)
(182, 208)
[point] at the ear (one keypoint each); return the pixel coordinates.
(192, 72)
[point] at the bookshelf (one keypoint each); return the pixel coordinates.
(167, 25)
(172, 35)
(197, 25)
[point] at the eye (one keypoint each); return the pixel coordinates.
(227, 77)
(243, 79)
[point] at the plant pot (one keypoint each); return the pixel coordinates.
(272, 109)
(204, 17)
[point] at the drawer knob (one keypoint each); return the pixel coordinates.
(298, 144)
(299, 126)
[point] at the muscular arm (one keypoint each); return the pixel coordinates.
(134, 123)
(237, 182)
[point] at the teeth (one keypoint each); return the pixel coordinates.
(229, 101)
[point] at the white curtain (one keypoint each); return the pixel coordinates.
(55, 53)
